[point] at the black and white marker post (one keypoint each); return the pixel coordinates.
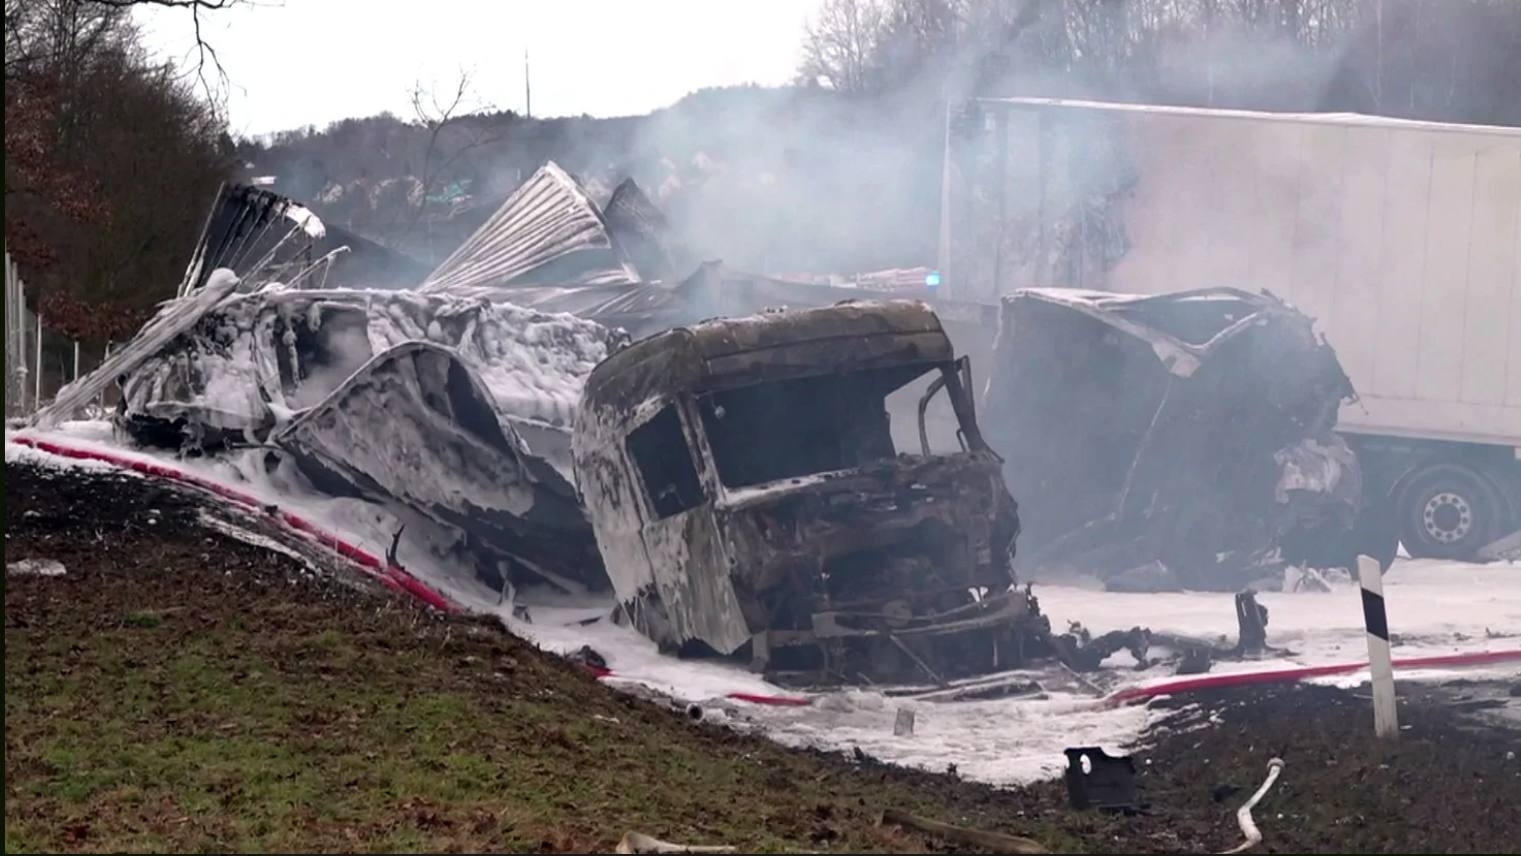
(1371, 577)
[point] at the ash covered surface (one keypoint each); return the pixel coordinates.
(456, 409)
(253, 358)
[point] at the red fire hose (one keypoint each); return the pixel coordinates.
(392, 576)
(1299, 673)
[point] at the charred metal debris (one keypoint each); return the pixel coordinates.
(1179, 441)
(748, 498)
(808, 490)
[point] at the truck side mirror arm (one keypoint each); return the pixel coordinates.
(935, 386)
(957, 379)
(959, 382)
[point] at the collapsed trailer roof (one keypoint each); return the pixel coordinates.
(268, 237)
(641, 230)
(1181, 327)
(548, 231)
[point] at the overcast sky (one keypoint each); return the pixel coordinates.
(300, 62)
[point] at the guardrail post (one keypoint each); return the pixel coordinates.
(1385, 718)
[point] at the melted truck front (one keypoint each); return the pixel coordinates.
(748, 498)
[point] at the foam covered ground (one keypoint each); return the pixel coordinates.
(1434, 608)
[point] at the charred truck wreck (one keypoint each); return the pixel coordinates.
(808, 491)
(747, 498)
(1176, 441)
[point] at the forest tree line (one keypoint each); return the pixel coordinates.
(111, 156)
(1440, 60)
(840, 171)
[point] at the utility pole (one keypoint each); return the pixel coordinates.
(527, 91)
(1378, 57)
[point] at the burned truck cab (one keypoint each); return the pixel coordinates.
(747, 496)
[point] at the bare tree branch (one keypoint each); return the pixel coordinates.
(171, 4)
(840, 43)
(436, 116)
(205, 54)
(203, 49)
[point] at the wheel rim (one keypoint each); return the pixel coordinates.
(1447, 517)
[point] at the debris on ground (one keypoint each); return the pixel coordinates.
(586, 655)
(1096, 779)
(903, 722)
(638, 842)
(35, 568)
(1196, 656)
(1311, 579)
(992, 842)
(1080, 650)
(1251, 618)
(1249, 830)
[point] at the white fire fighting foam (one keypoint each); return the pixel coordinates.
(1433, 607)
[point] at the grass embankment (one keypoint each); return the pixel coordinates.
(176, 690)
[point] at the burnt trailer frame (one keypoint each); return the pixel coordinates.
(874, 564)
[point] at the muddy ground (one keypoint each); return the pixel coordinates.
(179, 690)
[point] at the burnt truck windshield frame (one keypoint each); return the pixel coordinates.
(784, 429)
(661, 453)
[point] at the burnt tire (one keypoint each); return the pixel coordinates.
(1447, 511)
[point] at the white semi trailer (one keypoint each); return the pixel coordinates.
(1403, 239)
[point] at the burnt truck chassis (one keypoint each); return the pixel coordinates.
(897, 570)
(868, 642)
(748, 500)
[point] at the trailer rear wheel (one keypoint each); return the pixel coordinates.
(1447, 511)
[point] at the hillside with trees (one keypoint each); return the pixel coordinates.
(110, 161)
(841, 171)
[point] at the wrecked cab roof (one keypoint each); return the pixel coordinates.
(1179, 336)
(731, 352)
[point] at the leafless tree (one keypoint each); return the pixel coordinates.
(1419, 58)
(109, 159)
(917, 37)
(840, 44)
(205, 53)
(449, 137)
